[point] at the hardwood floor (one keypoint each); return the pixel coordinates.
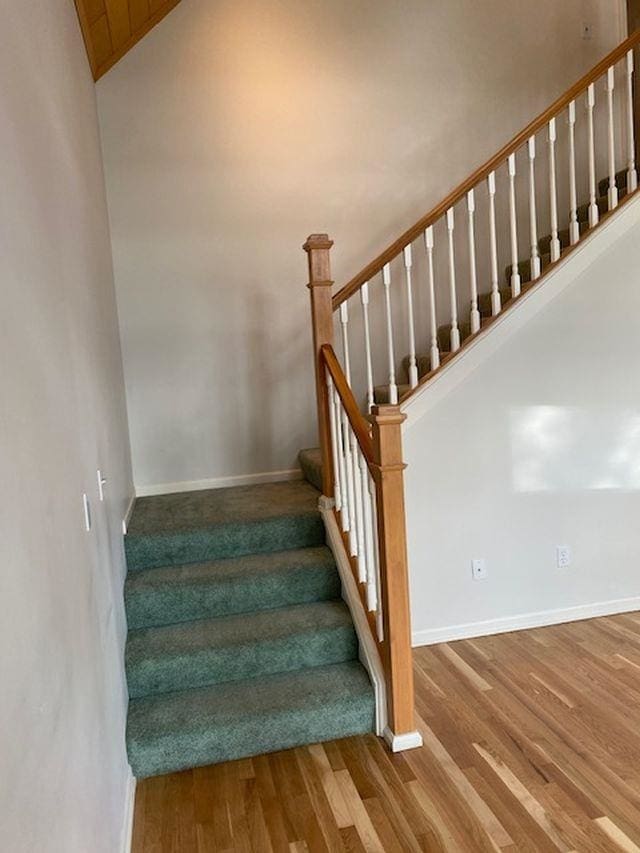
(532, 743)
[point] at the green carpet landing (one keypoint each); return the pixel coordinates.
(239, 642)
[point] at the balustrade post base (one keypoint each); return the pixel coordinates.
(404, 741)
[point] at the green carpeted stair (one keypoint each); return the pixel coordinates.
(238, 640)
(172, 731)
(311, 464)
(423, 360)
(236, 585)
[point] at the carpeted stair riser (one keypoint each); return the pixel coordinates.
(381, 392)
(311, 464)
(621, 183)
(524, 269)
(166, 596)
(198, 654)
(544, 244)
(232, 540)
(175, 731)
(484, 301)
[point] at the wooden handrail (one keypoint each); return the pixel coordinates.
(358, 423)
(483, 171)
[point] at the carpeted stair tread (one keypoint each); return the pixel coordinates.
(190, 527)
(621, 183)
(235, 648)
(583, 209)
(423, 363)
(192, 728)
(484, 301)
(311, 463)
(165, 596)
(544, 244)
(524, 268)
(381, 392)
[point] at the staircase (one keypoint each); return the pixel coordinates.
(432, 293)
(239, 642)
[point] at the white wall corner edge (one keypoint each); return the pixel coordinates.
(369, 655)
(531, 303)
(520, 622)
(219, 482)
(129, 807)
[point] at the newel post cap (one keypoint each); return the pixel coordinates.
(387, 414)
(317, 248)
(317, 241)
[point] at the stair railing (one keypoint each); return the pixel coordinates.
(436, 280)
(362, 474)
(362, 460)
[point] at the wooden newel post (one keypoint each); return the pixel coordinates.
(389, 475)
(318, 247)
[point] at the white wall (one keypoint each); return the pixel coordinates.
(64, 776)
(534, 443)
(234, 130)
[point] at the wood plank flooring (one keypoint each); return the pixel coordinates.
(531, 743)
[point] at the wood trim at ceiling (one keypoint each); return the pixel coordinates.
(110, 28)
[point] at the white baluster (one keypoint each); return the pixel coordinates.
(496, 301)
(393, 388)
(632, 174)
(364, 300)
(533, 220)
(473, 275)
(612, 195)
(337, 484)
(515, 272)
(351, 503)
(455, 332)
(574, 227)
(358, 517)
(376, 559)
(554, 246)
(594, 214)
(370, 569)
(342, 467)
(364, 555)
(344, 324)
(435, 352)
(413, 367)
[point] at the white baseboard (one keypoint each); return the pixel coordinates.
(369, 655)
(219, 482)
(429, 636)
(127, 515)
(400, 743)
(129, 806)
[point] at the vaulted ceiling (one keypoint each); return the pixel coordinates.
(112, 27)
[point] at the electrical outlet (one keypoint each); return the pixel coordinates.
(563, 556)
(587, 31)
(479, 569)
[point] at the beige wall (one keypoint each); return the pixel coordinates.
(237, 128)
(530, 441)
(63, 777)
